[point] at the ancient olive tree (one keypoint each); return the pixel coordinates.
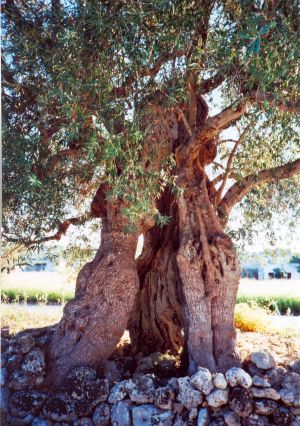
(157, 118)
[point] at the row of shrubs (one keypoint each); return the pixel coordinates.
(279, 305)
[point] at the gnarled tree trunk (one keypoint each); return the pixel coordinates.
(209, 271)
(156, 321)
(93, 323)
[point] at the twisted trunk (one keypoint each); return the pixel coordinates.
(94, 322)
(156, 321)
(209, 271)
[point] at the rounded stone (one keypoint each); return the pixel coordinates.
(202, 381)
(217, 398)
(220, 381)
(164, 397)
(238, 377)
(23, 403)
(241, 401)
(263, 360)
(101, 416)
(265, 406)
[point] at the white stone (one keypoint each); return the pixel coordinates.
(237, 376)
(263, 360)
(265, 393)
(220, 381)
(118, 392)
(188, 396)
(148, 415)
(217, 398)
(260, 382)
(120, 414)
(202, 381)
(141, 389)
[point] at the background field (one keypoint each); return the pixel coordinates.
(279, 296)
(257, 310)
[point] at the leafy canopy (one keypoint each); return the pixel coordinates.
(78, 79)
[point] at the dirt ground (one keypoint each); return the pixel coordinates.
(286, 349)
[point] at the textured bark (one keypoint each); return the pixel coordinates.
(209, 271)
(93, 323)
(156, 321)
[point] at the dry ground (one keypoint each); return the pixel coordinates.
(285, 347)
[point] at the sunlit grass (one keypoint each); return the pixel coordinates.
(18, 317)
(33, 287)
(280, 296)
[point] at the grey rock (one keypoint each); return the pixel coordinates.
(269, 393)
(28, 419)
(220, 381)
(24, 343)
(178, 407)
(164, 397)
(241, 401)
(219, 421)
(203, 417)
(4, 399)
(13, 362)
(173, 383)
(141, 389)
(188, 396)
(193, 412)
(291, 381)
(23, 403)
(112, 372)
(260, 382)
(101, 416)
(296, 421)
(147, 364)
(3, 376)
(37, 421)
(238, 377)
(255, 420)
(295, 411)
(34, 362)
(118, 392)
(78, 379)
(148, 415)
(296, 367)
(86, 421)
(82, 374)
(290, 393)
(58, 408)
(202, 381)
(263, 360)
(231, 419)
(265, 406)
(282, 416)
(217, 398)
(276, 376)
(120, 414)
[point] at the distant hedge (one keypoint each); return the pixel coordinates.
(281, 305)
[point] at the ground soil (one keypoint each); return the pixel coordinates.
(286, 349)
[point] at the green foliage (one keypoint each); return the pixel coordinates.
(76, 94)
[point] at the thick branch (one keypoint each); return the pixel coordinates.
(62, 229)
(237, 191)
(288, 106)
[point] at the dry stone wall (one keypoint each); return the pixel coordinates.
(128, 393)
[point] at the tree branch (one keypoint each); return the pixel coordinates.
(288, 106)
(62, 229)
(238, 190)
(229, 165)
(147, 71)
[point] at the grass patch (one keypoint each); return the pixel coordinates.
(36, 287)
(279, 296)
(18, 317)
(252, 318)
